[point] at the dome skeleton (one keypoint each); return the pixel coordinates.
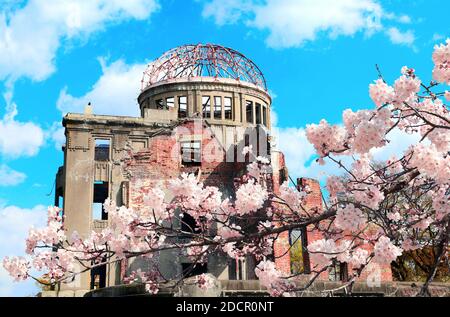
(203, 60)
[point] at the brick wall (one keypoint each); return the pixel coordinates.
(162, 161)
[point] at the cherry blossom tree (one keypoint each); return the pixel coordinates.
(372, 216)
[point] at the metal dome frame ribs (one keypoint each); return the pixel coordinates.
(203, 60)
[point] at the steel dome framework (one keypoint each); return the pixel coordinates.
(203, 60)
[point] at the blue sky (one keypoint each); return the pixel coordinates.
(318, 58)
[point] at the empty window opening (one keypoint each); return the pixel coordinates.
(235, 269)
(249, 111)
(265, 115)
(227, 108)
(258, 113)
(182, 107)
(60, 202)
(217, 107)
(192, 269)
(160, 105)
(283, 175)
(98, 276)
(100, 195)
(170, 102)
(206, 106)
(338, 272)
(296, 253)
(188, 224)
(247, 143)
(191, 153)
(102, 147)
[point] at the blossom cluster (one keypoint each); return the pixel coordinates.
(385, 251)
(441, 59)
(17, 267)
(350, 218)
(272, 278)
(250, 197)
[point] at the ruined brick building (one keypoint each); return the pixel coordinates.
(195, 99)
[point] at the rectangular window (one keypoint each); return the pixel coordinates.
(98, 275)
(206, 106)
(182, 107)
(217, 107)
(228, 108)
(189, 224)
(102, 147)
(265, 116)
(247, 143)
(283, 176)
(338, 272)
(170, 102)
(191, 153)
(159, 104)
(296, 251)
(193, 269)
(100, 195)
(258, 113)
(249, 111)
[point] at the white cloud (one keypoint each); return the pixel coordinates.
(403, 38)
(115, 93)
(404, 19)
(10, 177)
(399, 142)
(296, 148)
(30, 35)
(437, 37)
(301, 158)
(14, 225)
(227, 11)
(293, 22)
(56, 134)
(19, 138)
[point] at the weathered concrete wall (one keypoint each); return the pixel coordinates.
(194, 90)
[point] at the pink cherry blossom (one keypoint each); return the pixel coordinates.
(292, 197)
(368, 195)
(350, 218)
(230, 231)
(394, 216)
(405, 88)
(335, 186)
(321, 252)
(381, 93)
(271, 278)
(385, 251)
(441, 59)
(250, 197)
(325, 137)
(17, 267)
(205, 281)
(430, 162)
(441, 203)
(358, 257)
